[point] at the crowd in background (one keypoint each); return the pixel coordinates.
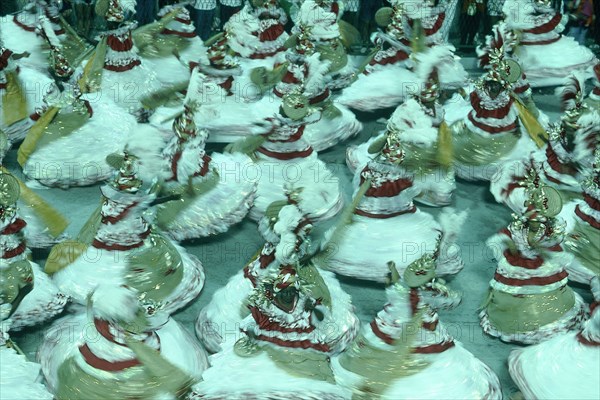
(476, 16)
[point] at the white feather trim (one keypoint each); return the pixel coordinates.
(416, 126)
(115, 303)
(147, 142)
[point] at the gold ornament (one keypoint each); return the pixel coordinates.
(9, 190)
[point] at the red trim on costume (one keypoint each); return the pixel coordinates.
(596, 91)
(481, 112)
(35, 116)
(271, 33)
(183, 21)
(517, 260)
(522, 89)
(399, 56)
(119, 45)
(546, 27)
(286, 156)
(4, 58)
(492, 129)
(514, 184)
(436, 26)
(592, 202)
(227, 85)
(105, 365)
(265, 324)
(290, 78)
(3, 86)
(266, 259)
(188, 35)
(434, 348)
(174, 162)
(536, 281)
(113, 220)
(411, 210)
(261, 56)
(249, 276)
(98, 244)
(17, 251)
(319, 98)
(430, 326)
(388, 188)
(22, 25)
(541, 43)
(294, 138)
(335, 8)
(587, 218)
(122, 68)
(302, 344)
(205, 166)
(15, 227)
(385, 337)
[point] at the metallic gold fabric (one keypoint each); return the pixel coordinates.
(34, 135)
(381, 368)
(584, 243)
(473, 149)
(537, 133)
(155, 268)
(168, 212)
(63, 254)
(91, 79)
(525, 313)
(335, 53)
(155, 375)
(14, 102)
(51, 218)
(13, 280)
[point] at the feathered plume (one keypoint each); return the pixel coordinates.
(114, 303)
(571, 93)
(500, 39)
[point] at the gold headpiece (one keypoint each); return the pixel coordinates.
(125, 179)
(184, 125)
(60, 65)
(9, 190)
(295, 105)
(420, 271)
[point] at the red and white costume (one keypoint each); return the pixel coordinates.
(545, 55)
(451, 371)
(566, 366)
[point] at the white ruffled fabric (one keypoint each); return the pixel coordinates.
(453, 374)
(79, 159)
(64, 337)
(559, 368)
(103, 267)
(44, 302)
(321, 197)
(19, 378)
(259, 378)
(223, 206)
(19, 40)
(218, 325)
(383, 88)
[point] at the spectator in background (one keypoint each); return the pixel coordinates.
(227, 9)
(366, 18)
(581, 18)
(351, 12)
(203, 14)
(493, 15)
(8, 6)
(145, 11)
(471, 15)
